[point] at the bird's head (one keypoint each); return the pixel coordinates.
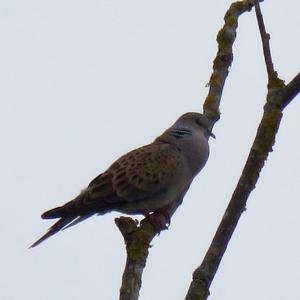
(193, 121)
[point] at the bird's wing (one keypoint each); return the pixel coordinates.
(138, 174)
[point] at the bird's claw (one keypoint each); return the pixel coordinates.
(158, 220)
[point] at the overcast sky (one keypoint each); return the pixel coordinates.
(83, 82)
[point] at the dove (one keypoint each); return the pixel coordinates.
(144, 181)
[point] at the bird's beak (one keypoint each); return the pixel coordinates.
(211, 134)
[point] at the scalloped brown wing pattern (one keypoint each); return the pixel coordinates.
(138, 174)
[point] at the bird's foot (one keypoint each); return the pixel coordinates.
(158, 220)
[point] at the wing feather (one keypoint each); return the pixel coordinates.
(138, 174)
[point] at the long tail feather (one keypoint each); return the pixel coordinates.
(54, 213)
(78, 220)
(54, 229)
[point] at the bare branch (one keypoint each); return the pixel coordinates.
(265, 38)
(137, 240)
(278, 97)
(291, 90)
(224, 57)
(262, 145)
(204, 274)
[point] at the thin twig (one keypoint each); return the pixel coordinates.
(291, 90)
(265, 38)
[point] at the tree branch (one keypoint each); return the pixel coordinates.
(291, 90)
(225, 38)
(138, 237)
(273, 80)
(203, 275)
(137, 240)
(278, 97)
(265, 138)
(265, 38)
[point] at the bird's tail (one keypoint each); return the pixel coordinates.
(69, 214)
(55, 213)
(60, 224)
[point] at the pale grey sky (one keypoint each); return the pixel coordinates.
(82, 82)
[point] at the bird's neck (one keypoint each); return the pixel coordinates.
(193, 146)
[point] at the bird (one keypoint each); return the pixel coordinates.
(144, 181)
